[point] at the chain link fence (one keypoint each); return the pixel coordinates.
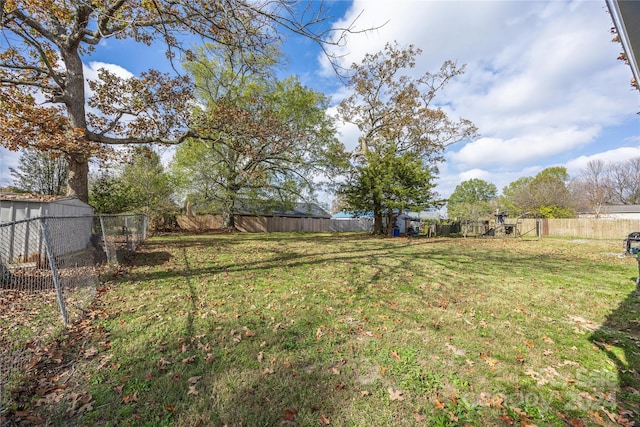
(49, 270)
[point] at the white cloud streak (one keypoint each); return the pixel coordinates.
(542, 81)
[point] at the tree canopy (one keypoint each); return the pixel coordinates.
(472, 199)
(261, 139)
(546, 194)
(43, 103)
(607, 183)
(388, 182)
(397, 116)
(139, 185)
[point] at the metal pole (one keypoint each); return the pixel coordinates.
(127, 239)
(104, 239)
(54, 270)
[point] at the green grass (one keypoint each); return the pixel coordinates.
(351, 330)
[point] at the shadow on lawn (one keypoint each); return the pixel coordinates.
(157, 252)
(619, 338)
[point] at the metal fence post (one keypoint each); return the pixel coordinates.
(104, 239)
(54, 270)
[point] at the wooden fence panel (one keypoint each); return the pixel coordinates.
(199, 222)
(585, 228)
(252, 224)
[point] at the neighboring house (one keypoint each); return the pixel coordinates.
(16, 207)
(300, 210)
(427, 215)
(614, 212)
(251, 217)
(349, 215)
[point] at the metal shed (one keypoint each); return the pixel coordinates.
(21, 237)
(16, 207)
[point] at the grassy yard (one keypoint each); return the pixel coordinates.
(352, 330)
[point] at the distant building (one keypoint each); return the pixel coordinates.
(299, 210)
(614, 212)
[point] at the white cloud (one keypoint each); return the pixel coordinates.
(7, 159)
(91, 72)
(615, 156)
(514, 152)
(542, 81)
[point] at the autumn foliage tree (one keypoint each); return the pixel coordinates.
(43, 103)
(397, 113)
(262, 140)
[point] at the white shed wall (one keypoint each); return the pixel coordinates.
(19, 209)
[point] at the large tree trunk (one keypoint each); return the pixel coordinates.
(228, 220)
(78, 184)
(377, 222)
(74, 99)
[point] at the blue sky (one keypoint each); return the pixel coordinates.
(542, 82)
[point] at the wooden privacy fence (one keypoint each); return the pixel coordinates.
(269, 224)
(586, 228)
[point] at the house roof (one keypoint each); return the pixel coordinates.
(616, 209)
(299, 210)
(621, 209)
(39, 198)
(626, 19)
(28, 197)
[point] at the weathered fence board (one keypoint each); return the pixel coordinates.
(252, 224)
(586, 228)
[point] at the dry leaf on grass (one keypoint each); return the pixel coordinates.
(395, 394)
(189, 359)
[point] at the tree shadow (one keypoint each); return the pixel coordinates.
(619, 339)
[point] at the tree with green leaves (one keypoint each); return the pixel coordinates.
(515, 195)
(388, 182)
(472, 199)
(262, 140)
(45, 43)
(546, 194)
(108, 194)
(396, 115)
(140, 185)
(40, 172)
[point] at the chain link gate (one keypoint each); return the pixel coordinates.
(49, 271)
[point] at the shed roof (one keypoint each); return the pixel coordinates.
(17, 206)
(40, 198)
